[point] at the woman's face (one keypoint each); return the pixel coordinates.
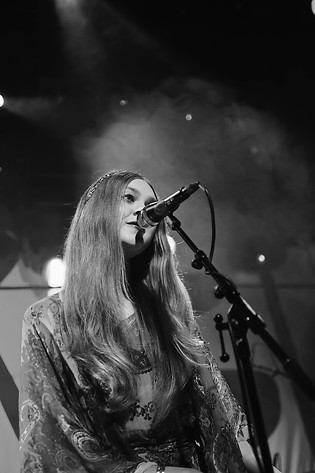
(134, 239)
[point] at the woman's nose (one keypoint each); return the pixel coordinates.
(139, 207)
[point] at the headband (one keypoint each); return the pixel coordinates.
(95, 185)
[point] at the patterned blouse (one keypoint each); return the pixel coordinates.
(65, 428)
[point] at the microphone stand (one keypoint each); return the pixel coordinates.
(241, 317)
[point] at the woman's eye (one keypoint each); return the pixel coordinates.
(129, 198)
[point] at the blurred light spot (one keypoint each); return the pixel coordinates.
(55, 272)
(188, 117)
(1, 101)
(313, 6)
(123, 102)
(261, 258)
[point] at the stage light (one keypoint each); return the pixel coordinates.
(1, 100)
(261, 258)
(54, 272)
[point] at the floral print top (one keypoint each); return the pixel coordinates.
(65, 428)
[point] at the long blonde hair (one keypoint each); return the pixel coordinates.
(96, 286)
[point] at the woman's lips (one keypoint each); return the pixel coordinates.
(135, 224)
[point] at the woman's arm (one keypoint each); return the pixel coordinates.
(55, 433)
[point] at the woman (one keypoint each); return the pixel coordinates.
(115, 376)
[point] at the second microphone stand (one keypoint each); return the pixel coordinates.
(241, 317)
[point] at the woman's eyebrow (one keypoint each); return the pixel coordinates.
(133, 190)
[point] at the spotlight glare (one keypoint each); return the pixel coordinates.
(261, 258)
(55, 272)
(188, 117)
(1, 100)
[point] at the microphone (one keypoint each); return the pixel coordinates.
(152, 214)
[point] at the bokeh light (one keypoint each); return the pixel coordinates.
(261, 258)
(55, 272)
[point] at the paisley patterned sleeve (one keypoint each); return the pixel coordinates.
(55, 433)
(216, 388)
(222, 423)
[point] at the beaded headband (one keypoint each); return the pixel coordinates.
(95, 185)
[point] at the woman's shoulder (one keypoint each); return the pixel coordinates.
(47, 310)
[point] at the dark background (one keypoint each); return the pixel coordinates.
(264, 50)
(63, 63)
